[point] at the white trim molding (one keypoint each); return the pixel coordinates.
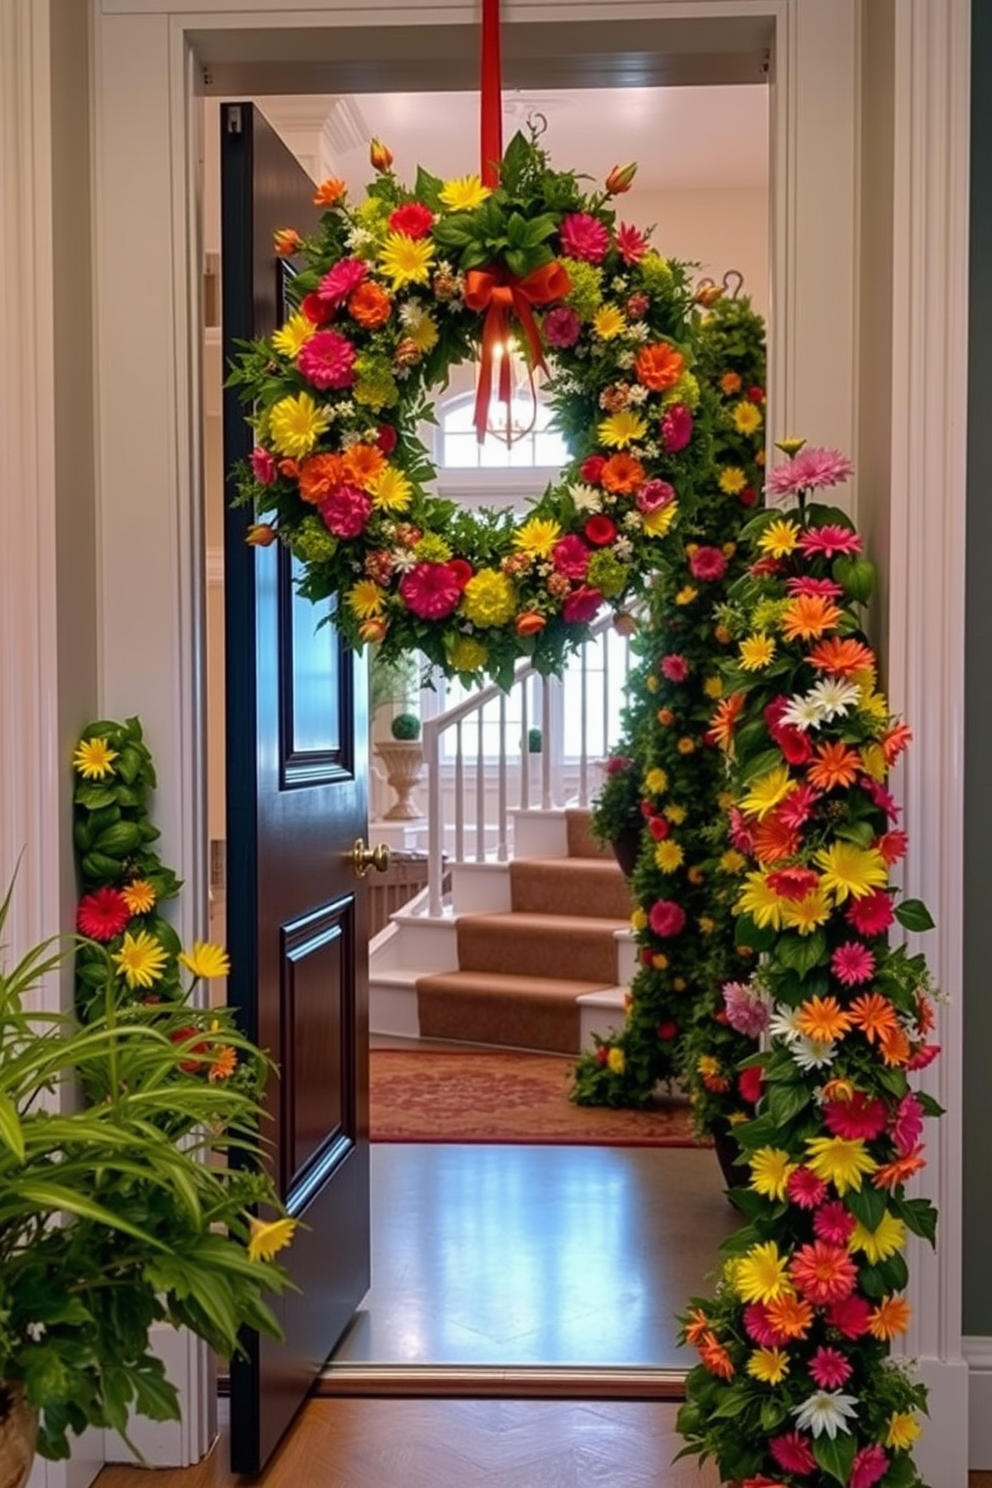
(978, 1352)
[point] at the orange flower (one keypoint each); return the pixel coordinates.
(721, 730)
(841, 656)
(373, 630)
(361, 464)
(289, 468)
(925, 1018)
(697, 1326)
(807, 616)
(530, 622)
(773, 841)
(835, 765)
(894, 742)
(890, 1318)
(899, 1170)
(715, 1357)
(792, 1317)
(894, 1044)
(329, 191)
(319, 476)
(622, 474)
(874, 1015)
(369, 305)
(730, 383)
(286, 242)
(224, 1065)
(659, 366)
(822, 1019)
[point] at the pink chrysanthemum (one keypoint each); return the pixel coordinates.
(834, 1223)
(828, 542)
(823, 1273)
(631, 243)
(339, 282)
(792, 1453)
(852, 963)
(826, 587)
(582, 605)
(805, 1188)
(872, 914)
(666, 917)
(869, 1466)
(747, 1009)
(708, 565)
(102, 914)
(327, 360)
(561, 326)
(346, 511)
(570, 556)
(907, 1124)
(676, 429)
(860, 1118)
(829, 1369)
(850, 1316)
(654, 496)
(674, 667)
(758, 1327)
(430, 590)
(263, 466)
(584, 237)
(797, 808)
(812, 469)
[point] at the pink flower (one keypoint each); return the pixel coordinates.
(829, 1369)
(921, 1057)
(750, 1083)
(741, 835)
(674, 667)
(792, 1453)
(413, 218)
(828, 541)
(338, 283)
(860, 1118)
(794, 884)
(826, 587)
(747, 1010)
(882, 798)
(666, 917)
(617, 763)
(570, 556)
(907, 1124)
(872, 914)
(561, 326)
(812, 469)
(346, 511)
(638, 304)
(869, 1465)
(600, 530)
(654, 496)
(327, 360)
(582, 605)
(263, 465)
(676, 429)
(852, 963)
(834, 1223)
(631, 243)
(823, 1273)
(708, 564)
(805, 1188)
(585, 237)
(758, 1327)
(797, 808)
(892, 846)
(430, 590)
(850, 1316)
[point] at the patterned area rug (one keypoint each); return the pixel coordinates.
(426, 1096)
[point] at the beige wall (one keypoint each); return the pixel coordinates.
(719, 228)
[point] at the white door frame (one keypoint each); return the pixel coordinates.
(906, 425)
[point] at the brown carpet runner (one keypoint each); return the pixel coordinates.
(521, 973)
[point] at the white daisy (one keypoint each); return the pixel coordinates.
(625, 359)
(835, 696)
(825, 1411)
(412, 315)
(783, 1023)
(623, 547)
(633, 521)
(804, 712)
(639, 331)
(811, 1053)
(637, 394)
(586, 498)
(651, 449)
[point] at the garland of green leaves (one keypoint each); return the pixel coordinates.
(665, 781)
(795, 1383)
(388, 295)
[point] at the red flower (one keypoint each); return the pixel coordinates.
(872, 914)
(338, 283)
(676, 428)
(794, 743)
(756, 395)
(750, 1083)
(631, 244)
(592, 469)
(530, 622)
(659, 827)
(823, 1273)
(316, 310)
(582, 605)
(387, 439)
(708, 564)
(263, 466)
(805, 1189)
(570, 556)
(860, 1118)
(102, 914)
(792, 883)
(462, 570)
(792, 1453)
(850, 1315)
(654, 496)
(667, 1030)
(430, 590)
(413, 218)
(199, 1052)
(600, 530)
(666, 918)
(834, 1223)
(674, 667)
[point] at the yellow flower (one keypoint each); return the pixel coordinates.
(808, 913)
(488, 598)
(761, 1275)
(141, 959)
(295, 425)
(747, 417)
(686, 745)
(880, 1243)
(790, 446)
(668, 856)
(756, 652)
(659, 961)
(656, 781)
(675, 814)
(707, 1065)
(365, 599)
(390, 490)
(206, 960)
(770, 1365)
(638, 920)
(406, 260)
(467, 654)
(849, 869)
(657, 523)
(292, 336)
(622, 429)
(761, 902)
(839, 1161)
(780, 538)
(268, 1236)
(464, 193)
(732, 861)
(615, 1061)
(686, 595)
(713, 687)
(94, 759)
(732, 480)
(771, 1171)
(706, 924)
(139, 896)
(609, 322)
(873, 703)
(537, 536)
(423, 333)
(874, 762)
(904, 1428)
(767, 791)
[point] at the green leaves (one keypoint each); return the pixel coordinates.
(913, 915)
(835, 1455)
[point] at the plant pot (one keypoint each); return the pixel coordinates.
(18, 1434)
(727, 1149)
(404, 762)
(627, 847)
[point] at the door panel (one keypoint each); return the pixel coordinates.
(296, 801)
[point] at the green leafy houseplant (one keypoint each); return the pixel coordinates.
(405, 727)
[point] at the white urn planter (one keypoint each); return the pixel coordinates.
(404, 763)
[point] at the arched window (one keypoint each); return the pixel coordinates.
(458, 448)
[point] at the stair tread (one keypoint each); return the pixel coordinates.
(503, 981)
(523, 920)
(606, 867)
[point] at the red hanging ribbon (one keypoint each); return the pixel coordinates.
(491, 88)
(500, 294)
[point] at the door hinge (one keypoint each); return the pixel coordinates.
(234, 122)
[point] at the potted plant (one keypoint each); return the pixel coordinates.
(617, 820)
(403, 758)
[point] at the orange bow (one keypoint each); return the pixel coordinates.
(500, 293)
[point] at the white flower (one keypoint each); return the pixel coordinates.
(783, 1023)
(639, 331)
(637, 394)
(811, 1053)
(618, 283)
(625, 359)
(633, 521)
(36, 1331)
(359, 238)
(623, 547)
(834, 696)
(804, 712)
(651, 449)
(403, 559)
(412, 315)
(586, 498)
(825, 1411)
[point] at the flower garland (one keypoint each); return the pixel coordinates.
(389, 294)
(667, 777)
(795, 1384)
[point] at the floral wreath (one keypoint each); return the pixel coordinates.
(390, 293)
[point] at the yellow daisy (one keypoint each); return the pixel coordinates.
(366, 599)
(615, 1061)
(713, 687)
(94, 759)
(686, 595)
(761, 1275)
(790, 446)
(747, 417)
(904, 1428)
(732, 861)
(295, 425)
(675, 814)
(537, 536)
(268, 1236)
(767, 791)
(464, 193)
(880, 1243)
(756, 652)
(780, 538)
(206, 960)
(141, 959)
(609, 322)
(806, 914)
(874, 762)
(668, 856)
(656, 781)
(423, 333)
(390, 490)
(761, 902)
(139, 896)
(771, 1171)
(406, 260)
(732, 480)
(840, 1161)
(622, 429)
(292, 336)
(851, 870)
(769, 1365)
(657, 523)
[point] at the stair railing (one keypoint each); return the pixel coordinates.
(499, 771)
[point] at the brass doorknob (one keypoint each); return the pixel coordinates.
(363, 858)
